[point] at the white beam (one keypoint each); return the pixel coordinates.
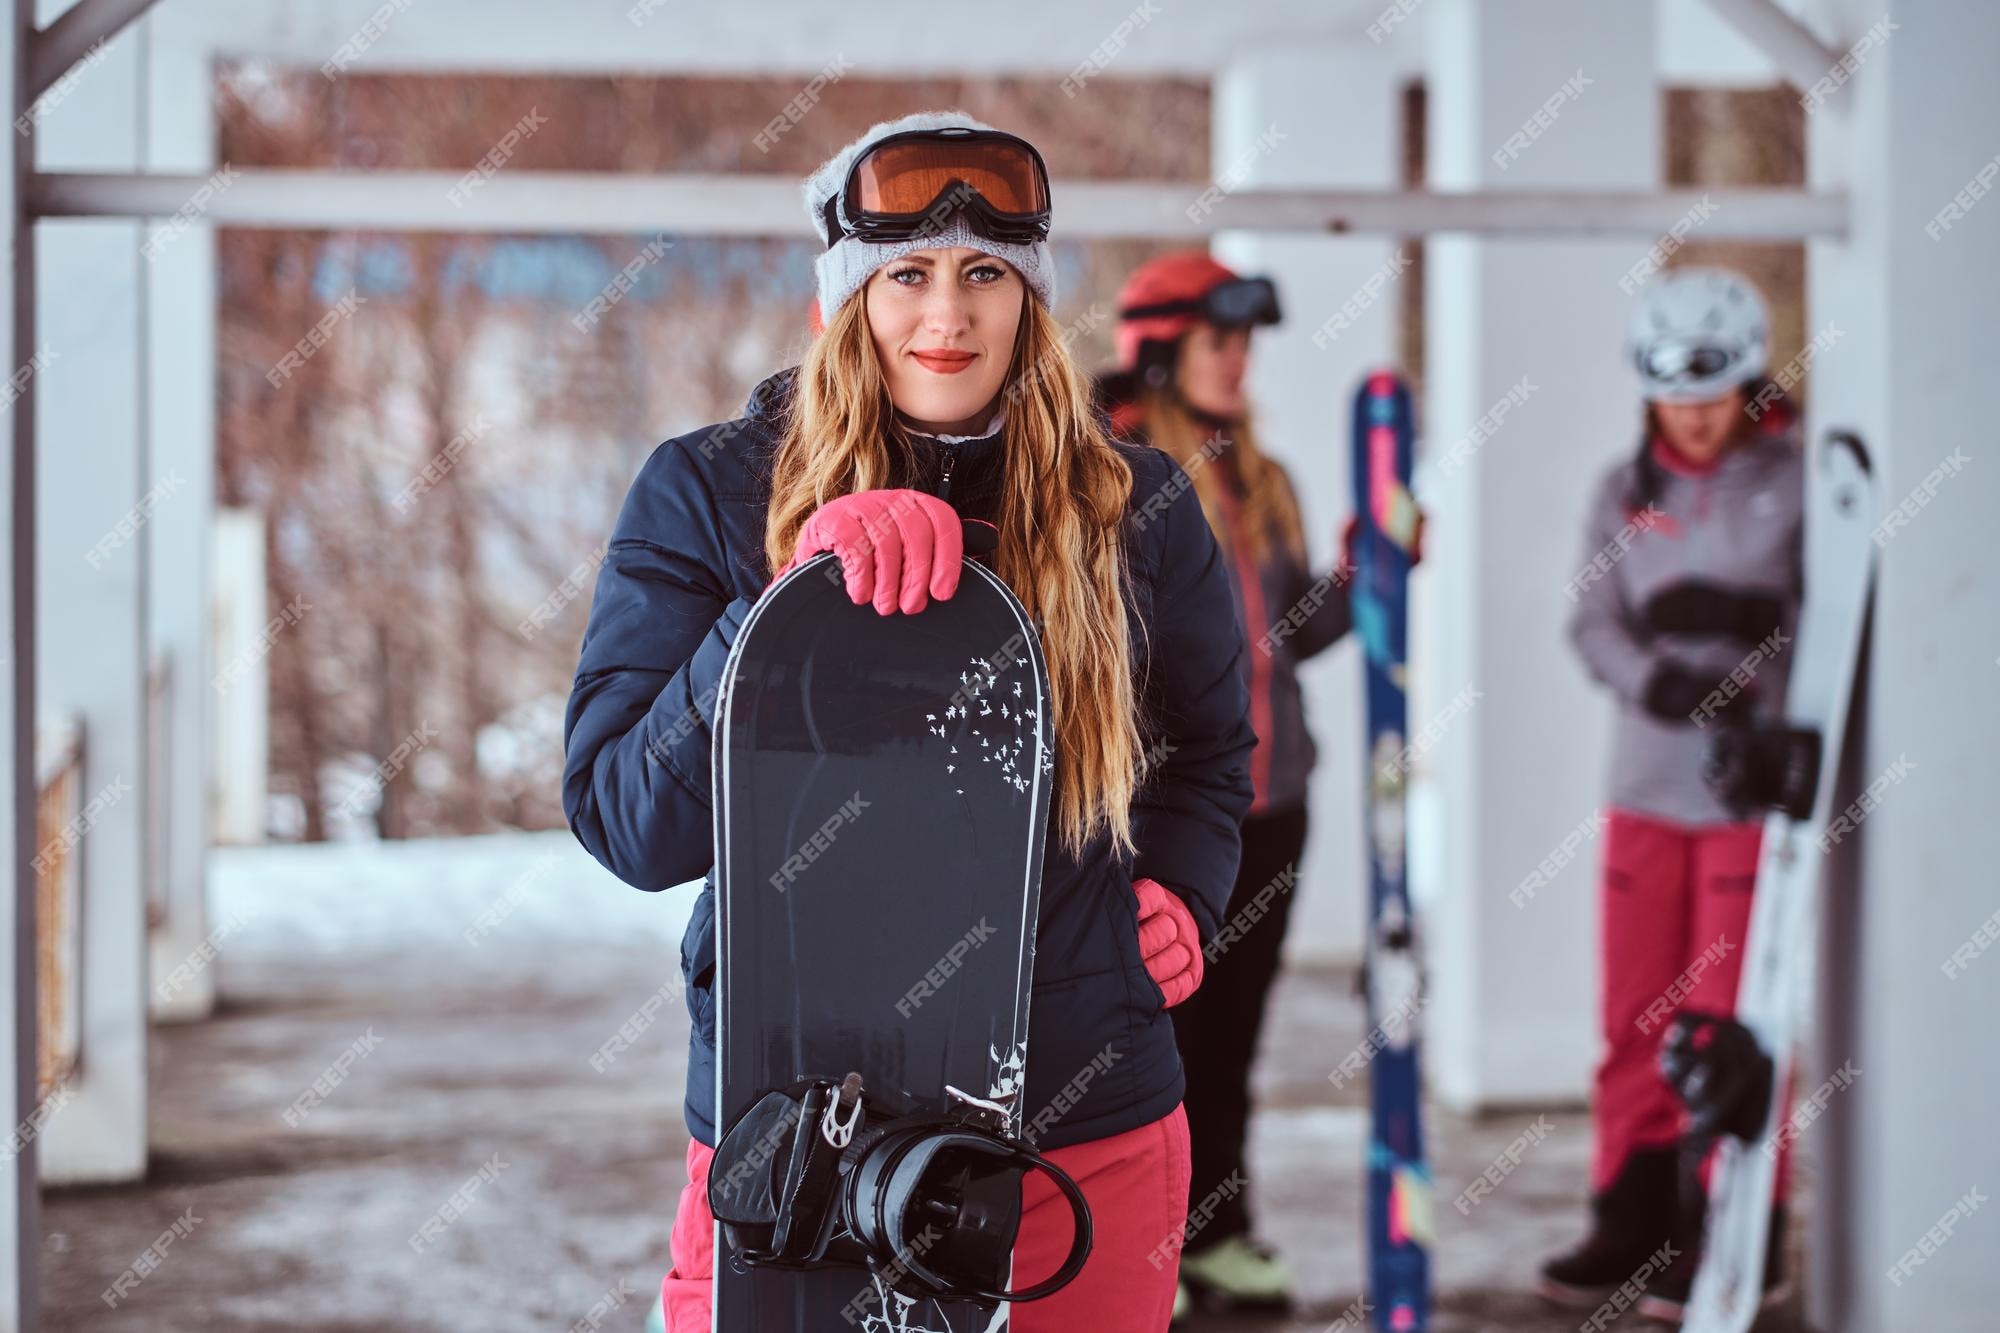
(1798, 55)
(752, 205)
(53, 50)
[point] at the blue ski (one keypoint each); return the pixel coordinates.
(1399, 1183)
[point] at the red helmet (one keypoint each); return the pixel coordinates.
(1168, 295)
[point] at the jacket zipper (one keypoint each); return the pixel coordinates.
(944, 479)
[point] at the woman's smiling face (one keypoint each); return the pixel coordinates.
(944, 321)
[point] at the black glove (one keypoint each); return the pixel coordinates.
(1673, 692)
(1707, 608)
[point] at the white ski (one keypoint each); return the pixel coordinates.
(1839, 571)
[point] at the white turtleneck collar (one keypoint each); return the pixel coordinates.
(993, 425)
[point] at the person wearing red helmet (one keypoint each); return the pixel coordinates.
(1184, 329)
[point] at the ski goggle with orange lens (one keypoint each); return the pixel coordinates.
(910, 185)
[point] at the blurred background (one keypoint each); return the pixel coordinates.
(343, 326)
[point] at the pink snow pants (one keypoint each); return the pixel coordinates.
(1137, 1187)
(1674, 915)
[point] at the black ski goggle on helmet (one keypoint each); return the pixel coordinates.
(908, 186)
(1237, 303)
(1671, 362)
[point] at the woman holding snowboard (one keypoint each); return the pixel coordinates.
(940, 391)
(1703, 538)
(1185, 322)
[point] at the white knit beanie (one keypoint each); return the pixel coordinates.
(851, 261)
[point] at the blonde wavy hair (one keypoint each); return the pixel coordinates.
(1063, 495)
(1270, 510)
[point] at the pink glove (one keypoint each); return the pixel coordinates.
(1168, 941)
(896, 548)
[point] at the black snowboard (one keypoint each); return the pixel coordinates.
(882, 787)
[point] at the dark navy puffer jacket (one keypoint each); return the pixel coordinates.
(683, 566)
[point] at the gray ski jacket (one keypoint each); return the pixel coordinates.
(1689, 573)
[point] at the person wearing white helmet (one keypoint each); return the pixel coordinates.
(1689, 593)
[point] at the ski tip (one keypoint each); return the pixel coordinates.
(1382, 383)
(1847, 439)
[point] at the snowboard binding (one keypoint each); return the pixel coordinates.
(928, 1202)
(1765, 766)
(1722, 1075)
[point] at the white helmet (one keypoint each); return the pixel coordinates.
(1698, 333)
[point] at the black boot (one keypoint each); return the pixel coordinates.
(1630, 1220)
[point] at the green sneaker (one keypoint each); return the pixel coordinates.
(1239, 1273)
(1182, 1302)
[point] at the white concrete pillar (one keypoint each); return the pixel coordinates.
(20, 1190)
(1317, 117)
(1910, 986)
(92, 554)
(181, 315)
(240, 713)
(1521, 765)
